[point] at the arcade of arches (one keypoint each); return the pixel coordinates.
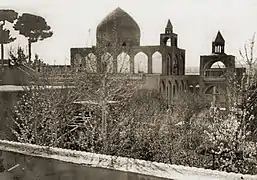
(125, 64)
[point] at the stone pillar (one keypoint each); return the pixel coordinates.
(98, 63)
(115, 64)
(132, 63)
(164, 59)
(214, 94)
(168, 93)
(173, 91)
(150, 63)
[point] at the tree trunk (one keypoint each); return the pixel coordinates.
(35, 133)
(2, 45)
(2, 56)
(29, 46)
(104, 115)
(104, 120)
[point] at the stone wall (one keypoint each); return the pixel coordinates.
(24, 167)
(30, 162)
(19, 166)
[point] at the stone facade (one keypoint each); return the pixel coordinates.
(118, 33)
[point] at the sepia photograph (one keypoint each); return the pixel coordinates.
(128, 90)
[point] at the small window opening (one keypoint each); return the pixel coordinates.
(168, 42)
(123, 44)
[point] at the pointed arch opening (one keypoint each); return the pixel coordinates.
(174, 65)
(157, 62)
(163, 87)
(141, 63)
(168, 64)
(176, 88)
(107, 63)
(216, 94)
(218, 64)
(197, 88)
(169, 92)
(191, 88)
(168, 42)
(186, 85)
(123, 63)
(91, 63)
(182, 86)
(215, 69)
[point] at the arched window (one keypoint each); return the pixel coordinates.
(169, 92)
(123, 63)
(91, 63)
(191, 88)
(168, 42)
(141, 63)
(107, 63)
(175, 65)
(218, 64)
(157, 62)
(197, 88)
(163, 87)
(216, 94)
(168, 65)
(182, 86)
(176, 88)
(215, 69)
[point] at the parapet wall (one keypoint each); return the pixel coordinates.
(31, 162)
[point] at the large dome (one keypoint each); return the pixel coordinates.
(118, 28)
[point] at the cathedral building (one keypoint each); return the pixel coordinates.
(118, 50)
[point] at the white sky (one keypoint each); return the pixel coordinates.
(195, 21)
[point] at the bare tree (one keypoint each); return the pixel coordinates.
(104, 83)
(5, 37)
(96, 86)
(230, 139)
(42, 114)
(248, 56)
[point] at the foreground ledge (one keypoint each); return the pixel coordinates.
(33, 161)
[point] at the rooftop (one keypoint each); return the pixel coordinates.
(13, 88)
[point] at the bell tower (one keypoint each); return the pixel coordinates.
(168, 38)
(218, 45)
(169, 28)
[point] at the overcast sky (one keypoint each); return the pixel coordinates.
(195, 21)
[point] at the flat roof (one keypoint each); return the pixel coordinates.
(14, 88)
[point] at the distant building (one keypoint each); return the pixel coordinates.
(118, 51)
(118, 42)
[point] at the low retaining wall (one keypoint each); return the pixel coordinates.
(20, 161)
